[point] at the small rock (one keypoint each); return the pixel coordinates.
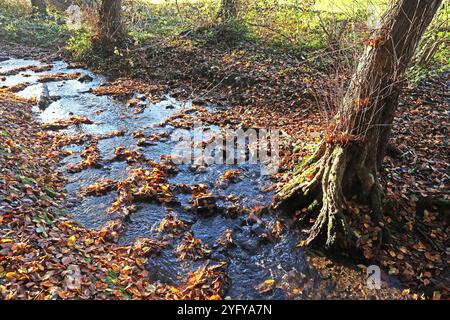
(43, 99)
(258, 229)
(199, 102)
(205, 205)
(197, 168)
(218, 256)
(250, 245)
(85, 78)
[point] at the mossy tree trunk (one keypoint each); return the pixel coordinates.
(347, 163)
(111, 31)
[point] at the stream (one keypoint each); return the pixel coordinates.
(252, 259)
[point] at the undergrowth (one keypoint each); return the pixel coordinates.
(311, 30)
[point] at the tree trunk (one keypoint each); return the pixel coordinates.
(110, 26)
(38, 8)
(228, 10)
(347, 162)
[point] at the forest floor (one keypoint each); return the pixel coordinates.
(44, 254)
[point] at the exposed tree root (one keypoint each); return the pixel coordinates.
(322, 178)
(301, 189)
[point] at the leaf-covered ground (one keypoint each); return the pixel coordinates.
(44, 254)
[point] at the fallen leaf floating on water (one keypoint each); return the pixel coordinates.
(191, 248)
(58, 77)
(172, 225)
(228, 177)
(226, 240)
(277, 229)
(125, 88)
(99, 188)
(130, 156)
(34, 68)
(207, 282)
(15, 88)
(266, 286)
(90, 158)
(63, 124)
(142, 185)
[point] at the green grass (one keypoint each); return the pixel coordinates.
(294, 26)
(17, 25)
(346, 6)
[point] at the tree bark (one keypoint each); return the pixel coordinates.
(347, 163)
(38, 8)
(110, 26)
